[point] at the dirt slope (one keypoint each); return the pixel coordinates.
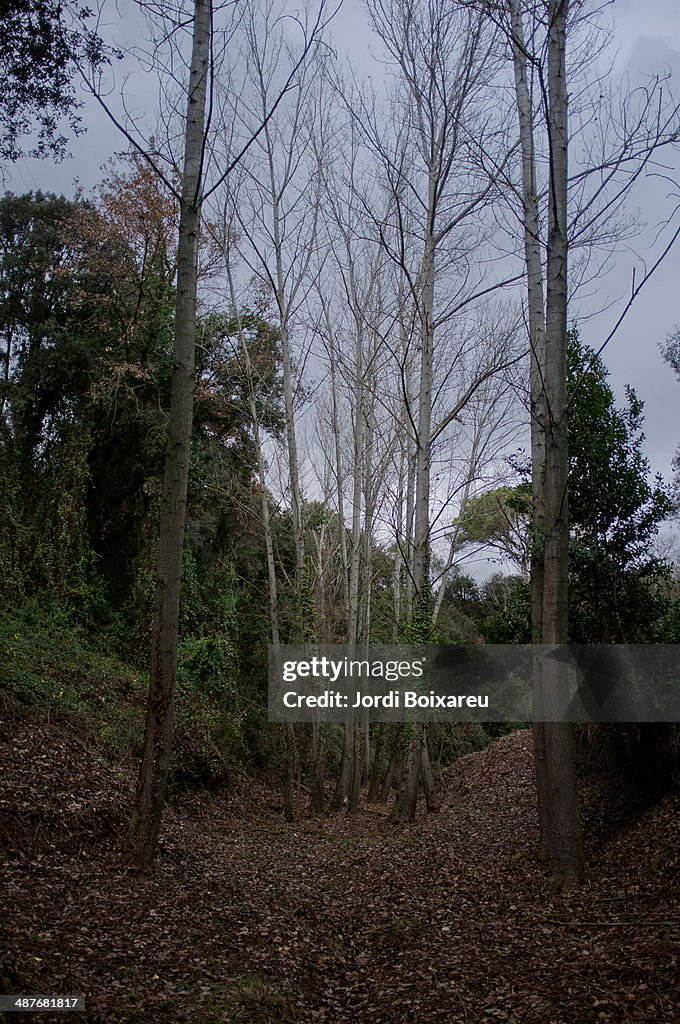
(249, 920)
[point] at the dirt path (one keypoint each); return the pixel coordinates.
(249, 920)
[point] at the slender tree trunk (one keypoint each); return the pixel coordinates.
(153, 776)
(357, 481)
(410, 470)
(357, 763)
(421, 530)
(407, 795)
(286, 362)
(409, 588)
(564, 840)
(391, 776)
(293, 464)
(555, 772)
(349, 777)
(398, 554)
(317, 794)
(362, 755)
(534, 268)
(407, 798)
(342, 788)
(430, 788)
(377, 767)
(339, 474)
(317, 798)
(370, 487)
(289, 756)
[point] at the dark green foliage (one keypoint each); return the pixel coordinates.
(618, 589)
(59, 667)
(47, 311)
(613, 503)
(448, 743)
(54, 328)
(671, 353)
(307, 624)
(499, 519)
(383, 626)
(69, 671)
(505, 614)
(86, 326)
(41, 44)
(421, 629)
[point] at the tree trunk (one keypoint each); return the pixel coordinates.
(430, 788)
(391, 776)
(289, 772)
(357, 764)
(398, 554)
(145, 825)
(288, 387)
(553, 753)
(339, 474)
(341, 795)
(407, 795)
(421, 529)
(349, 778)
(378, 762)
(534, 269)
(317, 796)
(564, 839)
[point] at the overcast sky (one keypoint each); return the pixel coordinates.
(648, 35)
(648, 39)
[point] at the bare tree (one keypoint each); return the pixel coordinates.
(441, 160)
(583, 212)
(152, 784)
(278, 215)
(491, 424)
(166, 55)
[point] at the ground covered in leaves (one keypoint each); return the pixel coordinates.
(340, 919)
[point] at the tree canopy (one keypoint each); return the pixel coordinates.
(41, 44)
(615, 511)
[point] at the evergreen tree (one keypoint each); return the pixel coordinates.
(41, 45)
(617, 588)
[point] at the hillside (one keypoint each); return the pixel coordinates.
(343, 919)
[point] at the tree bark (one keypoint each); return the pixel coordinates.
(564, 840)
(145, 825)
(377, 766)
(391, 776)
(430, 788)
(407, 795)
(553, 752)
(421, 530)
(536, 325)
(341, 795)
(317, 796)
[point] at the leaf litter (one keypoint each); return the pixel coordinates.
(344, 919)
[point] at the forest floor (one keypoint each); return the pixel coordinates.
(249, 920)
